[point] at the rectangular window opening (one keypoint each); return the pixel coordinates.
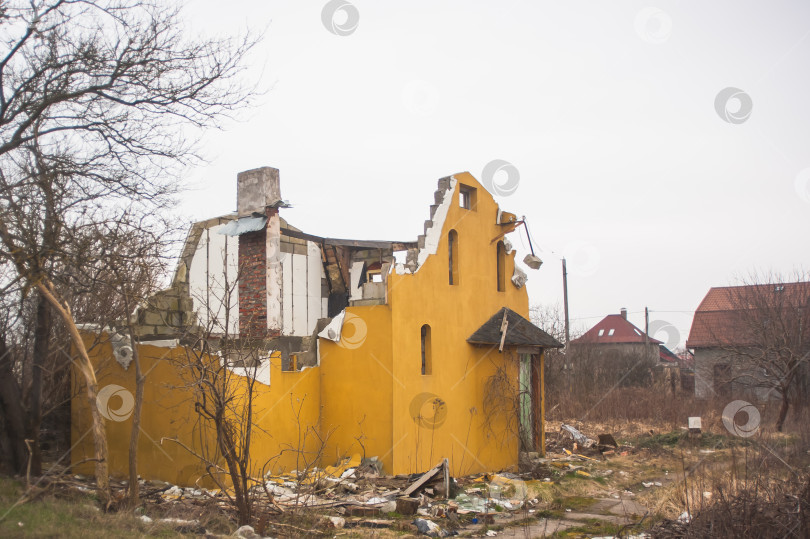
(500, 269)
(452, 251)
(467, 197)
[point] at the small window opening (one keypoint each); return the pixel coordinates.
(290, 363)
(374, 273)
(601, 332)
(501, 269)
(611, 332)
(467, 197)
(427, 363)
(452, 253)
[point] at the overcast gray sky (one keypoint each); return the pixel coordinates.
(629, 164)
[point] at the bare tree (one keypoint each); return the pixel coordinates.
(766, 331)
(124, 261)
(100, 103)
(222, 370)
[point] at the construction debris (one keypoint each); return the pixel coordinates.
(429, 475)
(606, 440)
(577, 436)
(430, 528)
(353, 494)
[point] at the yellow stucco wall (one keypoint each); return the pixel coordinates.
(368, 395)
(460, 370)
(168, 412)
(356, 387)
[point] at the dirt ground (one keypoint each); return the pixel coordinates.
(647, 479)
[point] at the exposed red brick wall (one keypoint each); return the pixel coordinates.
(253, 284)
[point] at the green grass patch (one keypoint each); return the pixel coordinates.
(596, 527)
(667, 439)
(706, 440)
(574, 503)
(77, 516)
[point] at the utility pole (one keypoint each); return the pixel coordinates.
(565, 300)
(568, 365)
(646, 331)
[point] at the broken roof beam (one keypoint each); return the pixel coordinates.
(367, 244)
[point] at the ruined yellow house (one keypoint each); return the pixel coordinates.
(408, 351)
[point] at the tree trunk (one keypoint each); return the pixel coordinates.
(86, 367)
(783, 410)
(134, 486)
(41, 350)
(13, 412)
(226, 447)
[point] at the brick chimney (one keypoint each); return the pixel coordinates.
(624, 313)
(260, 271)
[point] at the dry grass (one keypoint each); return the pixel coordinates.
(731, 486)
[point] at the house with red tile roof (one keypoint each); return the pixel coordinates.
(616, 336)
(731, 320)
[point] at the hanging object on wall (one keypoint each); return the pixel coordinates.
(532, 260)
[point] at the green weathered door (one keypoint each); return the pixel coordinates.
(525, 398)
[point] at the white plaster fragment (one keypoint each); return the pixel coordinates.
(434, 233)
(165, 343)
(210, 276)
(260, 373)
(519, 277)
(507, 245)
(287, 294)
(299, 295)
(95, 328)
(273, 276)
(314, 275)
(355, 273)
(332, 331)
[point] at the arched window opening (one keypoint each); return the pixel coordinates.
(427, 363)
(501, 263)
(452, 249)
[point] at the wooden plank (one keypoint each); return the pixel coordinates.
(427, 476)
(367, 244)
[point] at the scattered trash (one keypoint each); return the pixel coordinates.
(429, 528)
(441, 471)
(577, 436)
(407, 506)
(246, 532)
(606, 440)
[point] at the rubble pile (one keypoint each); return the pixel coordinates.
(354, 493)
